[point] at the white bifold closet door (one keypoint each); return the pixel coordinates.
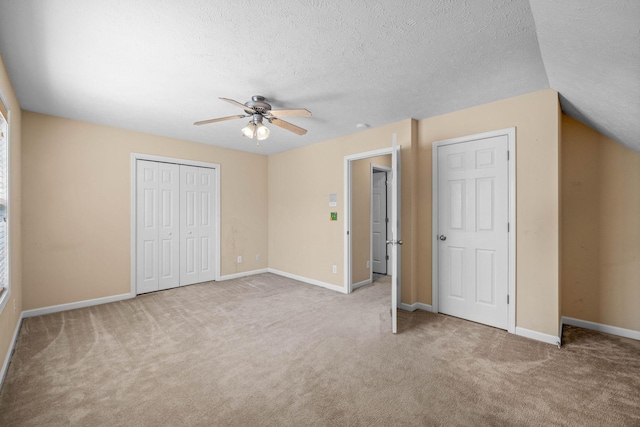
(158, 226)
(175, 225)
(196, 224)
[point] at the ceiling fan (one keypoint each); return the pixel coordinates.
(258, 109)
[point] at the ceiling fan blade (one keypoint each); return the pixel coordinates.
(288, 126)
(221, 119)
(237, 104)
(292, 112)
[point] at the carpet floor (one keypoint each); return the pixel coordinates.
(270, 351)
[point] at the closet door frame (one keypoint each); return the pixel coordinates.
(134, 197)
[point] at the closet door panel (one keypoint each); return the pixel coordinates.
(175, 225)
(189, 225)
(206, 231)
(147, 227)
(169, 230)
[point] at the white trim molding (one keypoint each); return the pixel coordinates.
(309, 281)
(6, 295)
(360, 284)
(12, 345)
(243, 274)
(415, 306)
(74, 305)
(511, 147)
(538, 336)
(599, 327)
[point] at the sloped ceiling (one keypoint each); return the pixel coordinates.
(158, 66)
(591, 52)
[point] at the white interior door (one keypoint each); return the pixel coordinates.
(379, 222)
(389, 214)
(147, 226)
(157, 226)
(396, 242)
(196, 225)
(473, 230)
(169, 225)
(206, 229)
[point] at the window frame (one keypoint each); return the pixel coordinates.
(5, 293)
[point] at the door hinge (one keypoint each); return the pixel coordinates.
(507, 299)
(386, 220)
(508, 155)
(508, 227)
(387, 257)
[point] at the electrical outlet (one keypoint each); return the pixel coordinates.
(258, 257)
(368, 264)
(335, 269)
(239, 259)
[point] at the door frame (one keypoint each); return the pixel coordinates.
(347, 210)
(510, 133)
(216, 220)
(386, 170)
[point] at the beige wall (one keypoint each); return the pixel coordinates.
(77, 204)
(11, 313)
(361, 215)
(561, 208)
(77, 209)
(302, 240)
(535, 117)
(601, 228)
(72, 168)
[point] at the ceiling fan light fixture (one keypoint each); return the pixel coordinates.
(249, 130)
(258, 109)
(262, 132)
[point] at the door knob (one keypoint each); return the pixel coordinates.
(170, 233)
(389, 242)
(399, 242)
(443, 237)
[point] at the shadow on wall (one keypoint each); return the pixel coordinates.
(600, 228)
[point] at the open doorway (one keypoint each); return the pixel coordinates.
(369, 219)
(354, 228)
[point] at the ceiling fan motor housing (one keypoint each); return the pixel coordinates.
(258, 105)
(256, 118)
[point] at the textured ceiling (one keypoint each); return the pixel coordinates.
(158, 66)
(591, 52)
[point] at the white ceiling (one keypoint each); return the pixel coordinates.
(591, 51)
(157, 66)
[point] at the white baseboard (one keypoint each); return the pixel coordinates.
(360, 284)
(415, 306)
(607, 329)
(243, 274)
(74, 305)
(309, 281)
(12, 344)
(538, 336)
